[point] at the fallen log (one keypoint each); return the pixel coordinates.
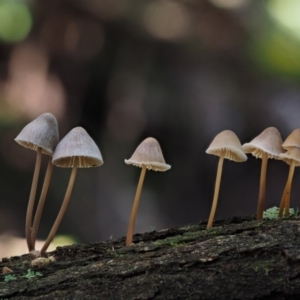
(239, 258)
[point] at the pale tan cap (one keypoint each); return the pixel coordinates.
(149, 154)
(269, 142)
(293, 140)
(77, 144)
(293, 154)
(42, 132)
(227, 142)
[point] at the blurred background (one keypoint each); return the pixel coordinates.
(180, 71)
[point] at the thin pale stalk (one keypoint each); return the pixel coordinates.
(39, 210)
(62, 209)
(262, 187)
(216, 193)
(31, 200)
(135, 207)
(282, 202)
(288, 191)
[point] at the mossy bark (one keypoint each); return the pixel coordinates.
(239, 258)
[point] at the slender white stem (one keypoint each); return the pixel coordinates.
(282, 202)
(135, 207)
(31, 200)
(39, 210)
(288, 189)
(62, 209)
(262, 187)
(216, 193)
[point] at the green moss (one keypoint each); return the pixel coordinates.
(9, 277)
(266, 271)
(32, 274)
(175, 244)
(264, 265)
(272, 213)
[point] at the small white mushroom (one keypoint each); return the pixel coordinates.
(75, 150)
(264, 146)
(148, 155)
(40, 135)
(225, 145)
(293, 140)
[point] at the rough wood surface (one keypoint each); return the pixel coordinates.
(239, 258)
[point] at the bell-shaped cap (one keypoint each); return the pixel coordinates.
(148, 154)
(293, 140)
(269, 142)
(77, 144)
(293, 154)
(42, 132)
(227, 143)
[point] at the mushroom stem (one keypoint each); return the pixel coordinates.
(282, 202)
(288, 189)
(30, 206)
(262, 187)
(135, 207)
(216, 193)
(62, 209)
(41, 202)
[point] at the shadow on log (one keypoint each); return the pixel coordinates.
(240, 258)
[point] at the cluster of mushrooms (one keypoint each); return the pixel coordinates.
(78, 150)
(266, 145)
(75, 150)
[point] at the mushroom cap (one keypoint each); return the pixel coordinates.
(42, 132)
(293, 154)
(148, 154)
(269, 142)
(293, 140)
(226, 142)
(77, 144)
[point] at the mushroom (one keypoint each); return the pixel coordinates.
(148, 155)
(40, 135)
(291, 157)
(292, 142)
(225, 145)
(75, 150)
(264, 146)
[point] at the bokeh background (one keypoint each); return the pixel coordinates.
(180, 71)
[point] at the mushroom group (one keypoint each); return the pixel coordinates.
(75, 150)
(78, 150)
(269, 145)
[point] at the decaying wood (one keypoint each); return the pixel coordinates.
(239, 258)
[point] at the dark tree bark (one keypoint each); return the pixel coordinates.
(239, 258)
